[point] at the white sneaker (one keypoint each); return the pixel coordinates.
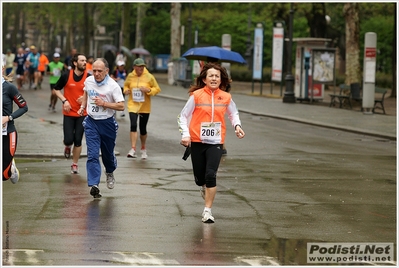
(207, 217)
(110, 180)
(144, 154)
(132, 153)
(202, 191)
(74, 168)
(14, 173)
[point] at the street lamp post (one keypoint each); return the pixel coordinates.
(289, 96)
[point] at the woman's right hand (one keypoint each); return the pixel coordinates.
(185, 141)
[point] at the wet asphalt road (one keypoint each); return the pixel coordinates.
(283, 185)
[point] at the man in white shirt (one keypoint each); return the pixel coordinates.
(102, 98)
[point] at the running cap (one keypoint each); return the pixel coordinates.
(139, 62)
(32, 47)
(56, 55)
(120, 63)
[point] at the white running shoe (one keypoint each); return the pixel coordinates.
(132, 153)
(14, 173)
(110, 180)
(74, 168)
(144, 154)
(207, 217)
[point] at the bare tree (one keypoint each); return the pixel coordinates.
(352, 30)
(175, 30)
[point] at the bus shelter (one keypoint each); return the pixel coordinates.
(306, 86)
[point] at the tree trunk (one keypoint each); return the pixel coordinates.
(352, 30)
(126, 10)
(86, 29)
(141, 8)
(125, 33)
(175, 30)
(14, 40)
(394, 62)
(317, 21)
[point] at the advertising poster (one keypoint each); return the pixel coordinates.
(323, 65)
(258, 54)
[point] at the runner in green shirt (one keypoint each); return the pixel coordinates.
(54, 69)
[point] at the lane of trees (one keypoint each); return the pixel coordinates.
(157, 27)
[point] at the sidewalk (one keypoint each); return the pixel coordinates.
(41, 131)
(378, 125)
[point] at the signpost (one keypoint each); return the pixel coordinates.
(258, 56)
(277, 60)
(226, 44)
(369, 69)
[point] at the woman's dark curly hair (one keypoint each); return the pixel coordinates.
(225, 80)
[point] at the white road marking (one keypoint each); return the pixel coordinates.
(258, 260)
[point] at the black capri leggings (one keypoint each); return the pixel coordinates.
(143, 120)
(73, 130)
(205, 159)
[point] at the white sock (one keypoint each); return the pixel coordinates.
(207, 209)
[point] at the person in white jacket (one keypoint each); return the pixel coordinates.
(202, 127)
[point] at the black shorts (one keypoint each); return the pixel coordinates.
(73, 130)
(20, 70)
(32, 70)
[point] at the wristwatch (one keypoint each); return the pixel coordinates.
(10, 118)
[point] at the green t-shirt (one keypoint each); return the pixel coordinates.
(56, 69)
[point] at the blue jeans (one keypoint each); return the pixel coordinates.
(100, 135)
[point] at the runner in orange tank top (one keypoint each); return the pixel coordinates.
(72, 81)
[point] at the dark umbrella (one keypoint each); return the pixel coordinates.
(107, 47)
(129, 57)
(213, 53)
(140, 51)
(127, 52)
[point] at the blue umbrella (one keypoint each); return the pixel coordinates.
(213, 53)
